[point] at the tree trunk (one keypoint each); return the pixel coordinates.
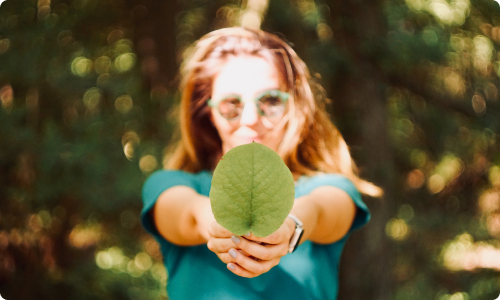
(360, 109)
(156, 40)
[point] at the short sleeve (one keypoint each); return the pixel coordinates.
(340, 181)
(156, 184)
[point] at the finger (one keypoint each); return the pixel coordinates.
(228, 257)
(219, 245)
(225, 257)
(216, 230)
(251, 265)
(275, 238)
(263, 252)
(240, 271)
(244, 253)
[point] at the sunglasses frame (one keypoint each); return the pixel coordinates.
(280, 94)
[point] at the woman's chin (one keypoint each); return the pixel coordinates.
(244, 141)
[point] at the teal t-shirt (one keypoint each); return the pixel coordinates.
(195, 272)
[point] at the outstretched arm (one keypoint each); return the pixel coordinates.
(327, 213)
(182, 216)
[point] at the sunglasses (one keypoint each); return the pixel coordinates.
(270, 104)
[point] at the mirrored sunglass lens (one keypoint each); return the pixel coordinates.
(271, 105)
(230, 108)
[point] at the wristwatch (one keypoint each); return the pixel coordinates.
(299, 230)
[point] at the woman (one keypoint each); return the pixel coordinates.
(241, 86)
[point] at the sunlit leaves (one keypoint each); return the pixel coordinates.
(462, 253)
(68, 78)
(447, 12)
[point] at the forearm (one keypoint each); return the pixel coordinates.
(327, 214)
(182, 216)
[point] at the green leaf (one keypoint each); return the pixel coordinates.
(252, 190)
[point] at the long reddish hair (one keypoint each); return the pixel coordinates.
(311, 143)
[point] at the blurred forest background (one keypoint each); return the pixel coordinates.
(88, 90)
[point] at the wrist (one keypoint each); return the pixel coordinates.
(291, 227)
(202, 217)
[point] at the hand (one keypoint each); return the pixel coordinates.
(250, 256)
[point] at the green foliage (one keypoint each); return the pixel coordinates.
(71, 100)
(85, 116)
(252, 190)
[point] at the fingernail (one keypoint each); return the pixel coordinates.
(231, 267)
(248, 234)
(235, 239)
(233, 253)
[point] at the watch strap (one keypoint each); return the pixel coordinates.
(299, 231)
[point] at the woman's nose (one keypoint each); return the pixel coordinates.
(249, 115)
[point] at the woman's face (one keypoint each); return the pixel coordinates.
(246, 78)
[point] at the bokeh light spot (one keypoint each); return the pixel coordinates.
(494, 176)
(102, 65)
(115, 35)
(415, 179)
(85, 235)
(92, 98)
(7, 97)
(148, 163)
(143, 261)
(129, 141)
(456, 296)
(463, 254)
(406, 212)
(44, 218)
(104, 260)
(123, 46)
(429, 36)
(129, 150)
(416, 4)
(133, 270)
(4, 45)
(112, 258)
(436, 183)
(493, 224)
(124, 104)
(418, 158)
(159, 273)
(103, 80)
(482, 52)
(478, 104)
(125, 62)
(81, 66)
(324, 32)
(441, 10)
(489, 202)
(454, 83)
(397, 229)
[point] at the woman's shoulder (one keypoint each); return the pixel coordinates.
(162, 175)
(306, 184)
(332, 179)
(163, 179)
